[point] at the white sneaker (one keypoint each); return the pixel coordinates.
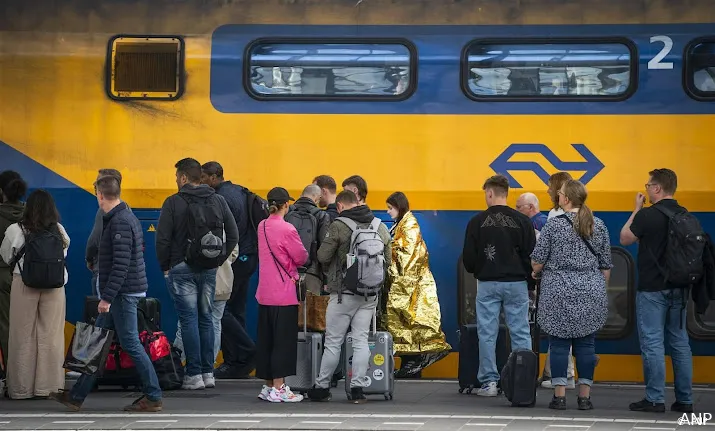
(546, 384)
(193, 382)
(265, 393)
(488, 390)
(209, 380)
(284, 395)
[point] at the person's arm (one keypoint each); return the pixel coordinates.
(164, 231)
(229, 225)
(323, 225)
(330, 244)
(10, 244)
(469, 251)
(122, 239)
(542, 249)
(294, 247)
(632, 230)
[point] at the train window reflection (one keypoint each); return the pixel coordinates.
(707, 320)
(554, 70)
(330, 70)
(700, 69)
(619, 290)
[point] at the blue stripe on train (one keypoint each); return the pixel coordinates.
(443, 231)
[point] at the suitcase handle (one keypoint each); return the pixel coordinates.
(305, 311)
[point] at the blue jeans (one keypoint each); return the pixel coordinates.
(216, 312)
(584, 349)
(661, 314)
(193, 294)
(122, 318)
(491, 296)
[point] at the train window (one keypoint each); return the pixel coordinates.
(145, 68)
(321, 70)
(700, 69)
(554, 70)
(620, 295)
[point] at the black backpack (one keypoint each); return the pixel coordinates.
(684, 249)
(257, 208)
(206, 248)
(305, 221)
(44, 263)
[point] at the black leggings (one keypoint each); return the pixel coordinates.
(277, 347)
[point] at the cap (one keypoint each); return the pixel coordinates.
(278, 195)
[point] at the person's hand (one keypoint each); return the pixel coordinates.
(90, 266)
(103, 306)
(535, 275)
(640, 201)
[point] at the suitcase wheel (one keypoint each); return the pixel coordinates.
(461, 390)
(388, 397)
(470, 389)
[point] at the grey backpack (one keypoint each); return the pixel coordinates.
(365, 265)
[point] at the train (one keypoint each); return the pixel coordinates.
(429, 97)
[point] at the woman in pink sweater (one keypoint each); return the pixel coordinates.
(280, 253)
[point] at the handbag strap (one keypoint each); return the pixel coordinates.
(588, 244)
(275, 261)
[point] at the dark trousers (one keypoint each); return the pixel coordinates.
(277, 354)
(237, 346)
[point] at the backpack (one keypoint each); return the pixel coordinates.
(684, 249)
(306, 223)
(44, 263)
(257, 208)
(365, 272)
(206, 248)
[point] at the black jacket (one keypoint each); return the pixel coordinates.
(332, 210)
(121, 254)
(704, 291)
(172, 229)
(323, 224)
(235, 196)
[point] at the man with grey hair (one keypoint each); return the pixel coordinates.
(312, 224)
(528, 204)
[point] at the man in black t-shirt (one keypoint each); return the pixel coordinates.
(497, 249)
(660, 306)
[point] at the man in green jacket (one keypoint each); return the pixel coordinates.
(349, 310)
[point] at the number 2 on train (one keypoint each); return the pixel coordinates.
(655, 62)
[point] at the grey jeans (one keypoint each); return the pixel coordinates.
(216, 313)
(354, 313)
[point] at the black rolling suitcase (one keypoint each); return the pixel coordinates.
(520, 376)
(469, 355)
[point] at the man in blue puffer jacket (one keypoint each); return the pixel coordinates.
(122, 282)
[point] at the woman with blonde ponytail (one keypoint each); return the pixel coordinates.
(573, 259)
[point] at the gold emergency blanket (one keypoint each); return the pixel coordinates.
(412, 307)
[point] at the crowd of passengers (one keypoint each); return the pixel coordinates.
(509, 251)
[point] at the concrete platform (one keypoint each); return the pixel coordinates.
(418, 405)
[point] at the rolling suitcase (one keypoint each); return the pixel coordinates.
(310, 354)
(469, 355)
(520, 376)
(381, 364)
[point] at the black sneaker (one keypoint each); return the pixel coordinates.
(646, 406)
(682, 408)
(357, 396)
(319, 394)
(584, 403)
(558, 403)
(225, 371)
